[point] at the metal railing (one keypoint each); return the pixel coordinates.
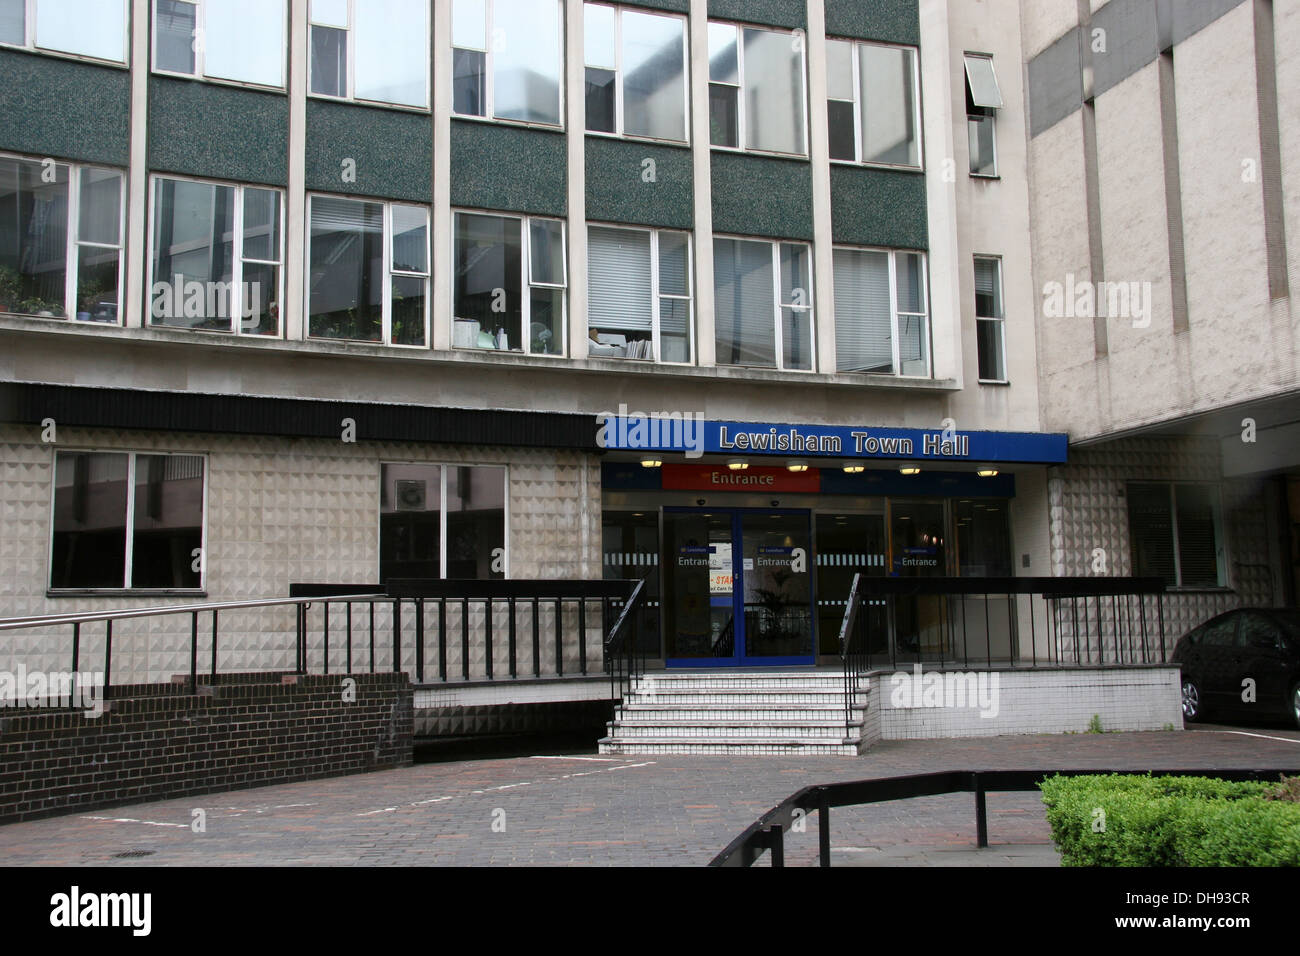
(768, 832)
(212, 610)
(624, 658)
(1081, 619)
(429, 598)
(324, 613)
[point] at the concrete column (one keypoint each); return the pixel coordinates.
(704, 334)
(137, 186)
(443, 253)
(575, 123)
(294, 315)
(819, 158)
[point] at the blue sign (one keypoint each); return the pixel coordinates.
(693, 436)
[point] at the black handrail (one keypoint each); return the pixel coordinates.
(852, 660)
(622, 661)
(768, 831)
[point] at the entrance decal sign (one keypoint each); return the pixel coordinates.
(721, 478)
(695, 437)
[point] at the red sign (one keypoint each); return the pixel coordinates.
(722, 478)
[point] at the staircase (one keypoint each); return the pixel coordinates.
(735, 712)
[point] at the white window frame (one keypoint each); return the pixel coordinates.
(858, 106)
(1001, 321)
(351, 97)
(131, 455)
(237, 257)
(386, 301)
(526, 279)
(896, 316)
(29, 38)
(618, 132)
(1220, 541)
(742, 89)
(778, 304)
(72, 249)
(200, 48)
(489, 83)
(656, 295)
(991, 116)
(442, 467)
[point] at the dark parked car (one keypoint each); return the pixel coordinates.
(1219, 657)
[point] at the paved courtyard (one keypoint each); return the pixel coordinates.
(580, 809)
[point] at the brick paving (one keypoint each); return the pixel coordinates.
(582, 810)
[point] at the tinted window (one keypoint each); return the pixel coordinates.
(1219, 633)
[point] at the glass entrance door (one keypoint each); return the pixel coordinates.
(737, 588)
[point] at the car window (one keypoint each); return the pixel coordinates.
(1220, 633)
(1256, 627)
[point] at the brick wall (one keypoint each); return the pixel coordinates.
(158, 741)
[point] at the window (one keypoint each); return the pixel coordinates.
(990, 321)
(881, 320)
(127, 520)
(510, 277)
(369, 271)
(983, 537)
(60, 240)
(240, 40)
(517, 76)
(983, 100)
(639, 293)
(442, 521)
(1175, 533)
(763, 303)
(636, 72)
(216, 252)
(375, 50)
(872, 105)
(92, 28)
(756, 90)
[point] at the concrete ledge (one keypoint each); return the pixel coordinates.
(947, 702)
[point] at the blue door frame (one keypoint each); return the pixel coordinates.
(739, 656)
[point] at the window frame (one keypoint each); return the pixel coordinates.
(896, 315)
(200, 52)
(128, 567)
(489, 73)
(73, 241)
(655, 294)
(526, 279)
(386, 301)
(1222, 564)
(778, 305)
(237, 257)
(350, 51)
(29, 39)
(980, 114)
(1001, 325)
(858, 125)
(742, 90)
(619, 124)
(442, 465)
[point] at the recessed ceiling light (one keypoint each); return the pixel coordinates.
(737, 464)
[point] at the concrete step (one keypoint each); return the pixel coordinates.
(728, 730)
(770, 746)
(747, 682)
(749, 712)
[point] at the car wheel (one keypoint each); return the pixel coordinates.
(1295, 705)
(1193, 708)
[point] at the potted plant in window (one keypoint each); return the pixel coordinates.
(10, 289)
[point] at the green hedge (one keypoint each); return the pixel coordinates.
(1170, 821)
